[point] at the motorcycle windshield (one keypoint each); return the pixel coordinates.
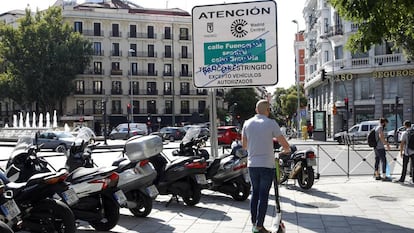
(22, 146)
(85, 134)
(191, 134)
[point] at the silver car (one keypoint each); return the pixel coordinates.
(59, 141)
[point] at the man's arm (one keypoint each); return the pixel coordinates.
(283, 142)
(382, 138)
(244, 143)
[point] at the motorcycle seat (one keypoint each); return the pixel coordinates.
(80, 172)
(213, 168)
(177, 162)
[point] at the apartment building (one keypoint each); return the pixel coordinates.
(352, 87)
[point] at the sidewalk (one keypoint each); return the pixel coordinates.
(332, 205)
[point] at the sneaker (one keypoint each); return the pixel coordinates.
(397, 181)
(262, 230)
(378, 178)
(386, 178)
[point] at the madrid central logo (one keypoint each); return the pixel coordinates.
(237, 28)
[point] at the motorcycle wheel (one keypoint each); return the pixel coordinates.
(242, 191)
(144, 204)
(306, 182)
(110, 209)
(54, 217)
(195, 196)
(4, 228)
(283, 176)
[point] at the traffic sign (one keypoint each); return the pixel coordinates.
(235, 44)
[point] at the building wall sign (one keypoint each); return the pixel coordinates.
(393, 73)
(235, 44)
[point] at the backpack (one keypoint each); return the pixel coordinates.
(372, 138)
(410, 139)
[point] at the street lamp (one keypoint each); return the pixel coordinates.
(297, 79)
(131, 86)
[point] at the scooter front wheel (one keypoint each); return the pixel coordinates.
(143, 202)
(195, 196)
(306, 178)
(110, 218)
(242, 191)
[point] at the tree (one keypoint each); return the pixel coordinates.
(285, 103)
(41, 59)
(245, 98)
(379, 20)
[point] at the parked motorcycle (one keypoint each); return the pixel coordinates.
(9, 211)
(180, 177)
(137, 175)
(33, 193)
(227, 174)
(298, 165)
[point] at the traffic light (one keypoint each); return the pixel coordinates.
(323, 75)
(397, 100)
(128, 108)
(346, 101)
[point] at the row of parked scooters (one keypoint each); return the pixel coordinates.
(36, 197)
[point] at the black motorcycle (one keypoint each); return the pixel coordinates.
(298, 165)
(227, 174)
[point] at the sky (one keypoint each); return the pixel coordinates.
(287, 10)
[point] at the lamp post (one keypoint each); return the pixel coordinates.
(297, 80)
(131, 86)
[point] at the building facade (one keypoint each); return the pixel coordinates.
(352, 87)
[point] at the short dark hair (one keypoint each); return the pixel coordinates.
(383, 120)
(407, 123)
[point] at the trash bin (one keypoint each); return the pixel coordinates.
(304, 132)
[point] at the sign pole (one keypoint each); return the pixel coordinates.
(213, 120)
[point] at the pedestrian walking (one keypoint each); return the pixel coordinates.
(406, 151)
(257, 138)
(380, 150)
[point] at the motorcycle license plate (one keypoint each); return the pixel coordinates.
(120, 197)
(10, 209)
(152, 191)
(201, 178)
(70, 197)
(311, 162)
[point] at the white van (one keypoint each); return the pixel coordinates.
(358, 132)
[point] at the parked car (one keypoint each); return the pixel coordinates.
(390, 134)
(204, 131)
(358, 132)
(171, 133)
(122, 132)
(227, 134)
(59, 141)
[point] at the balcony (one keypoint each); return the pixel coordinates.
(185, 37)
(136, 92)
(168, 55)
(116, 53)
(151, 92)
(93, 33)
(115, 34)
(98, 53)
(186, 74)
(116, 72)
(89, 92)
(147, 54)
(167, 36)
(143, 35)
(142, 73)
(168, 92)
(116, 91)
(168, 74)
(94, 72)
(186, 55)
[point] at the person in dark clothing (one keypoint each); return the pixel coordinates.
(380, 150)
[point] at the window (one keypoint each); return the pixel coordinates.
(168, 107)
(115, 49)
(150, 31)
(115, 66)
(136, 106)
(168, 51)
(185, 107)
(326, 56)
(115, 30)
(97, 87)
(326, 25)
(132, 50)
(184, 52)
(116, 88)
(80, 107)
(183, 33)
(360, 55)
(151, 69)
(151, 88)
(185, 88)
(97, 29)
(392, 87)
(151, 106)
(167, 88)
(116, 107)
(80, 87)
(98, 106)
(78, 27)
(339, 52)
(364, 88)
(184, 70)
(97, 48)
(135, 88)
(167, 33)
(151, 50)
(97, 67)
(133, 31)
(167, 70)
(201, 106)
(134, 68)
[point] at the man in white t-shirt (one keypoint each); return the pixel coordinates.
(406, 153)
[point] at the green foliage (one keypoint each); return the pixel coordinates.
(42, 57)
(379, 20)
(285, 103)
(245, 98)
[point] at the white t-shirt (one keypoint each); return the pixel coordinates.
(260, 131)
